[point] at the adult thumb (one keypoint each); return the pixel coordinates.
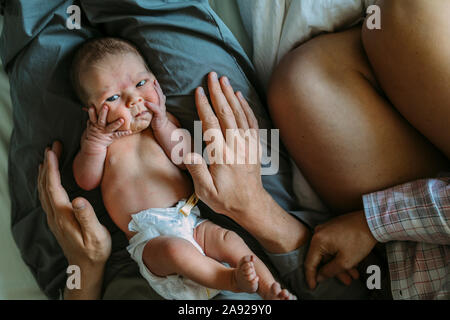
(85, 215)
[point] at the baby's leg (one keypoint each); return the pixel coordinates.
(226, 246)
(165, 256)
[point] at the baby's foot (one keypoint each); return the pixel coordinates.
(276, 293)
(245, 275)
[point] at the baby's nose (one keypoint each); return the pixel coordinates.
(133, 101)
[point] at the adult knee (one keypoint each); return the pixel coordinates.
(306, 74)
(295, 79)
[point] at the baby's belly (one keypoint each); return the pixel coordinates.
(127, 190)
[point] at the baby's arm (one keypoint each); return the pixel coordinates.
(89, 162)
(164, 124)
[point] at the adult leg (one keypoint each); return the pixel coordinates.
(410, 57)
(342, 132)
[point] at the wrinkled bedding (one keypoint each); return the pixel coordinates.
(277, 26)
(16, 280)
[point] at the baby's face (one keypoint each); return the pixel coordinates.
(123, 83)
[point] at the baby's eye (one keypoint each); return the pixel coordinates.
(113, 98)
(141, 83)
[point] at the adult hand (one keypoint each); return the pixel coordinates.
(234, 188)
(231, 180)
(347, 239)
(84, 241)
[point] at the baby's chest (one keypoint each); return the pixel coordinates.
(135, 158)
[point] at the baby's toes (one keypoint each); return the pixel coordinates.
(244, 260)
(246, 275)
(286, 295)
(275, 290)
(248, 269)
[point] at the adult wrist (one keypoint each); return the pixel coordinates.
(366, 227)
(274, 228)
(90, 282)
(260, 201)
(88, 268)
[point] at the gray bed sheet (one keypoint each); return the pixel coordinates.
(16, 280)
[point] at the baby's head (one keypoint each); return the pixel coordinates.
(112, 72)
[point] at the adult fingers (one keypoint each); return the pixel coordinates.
(332, 268)
(42, 191)
(251, 119)
(312, 261)
(206, 114)
(353, 272)
(220, 104)
(233, 101)
(203, 181)
(57, 195)
(85, 215)
(57, 148)
(344, 277)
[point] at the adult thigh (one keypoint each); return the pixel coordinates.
(410, 57)
(342, 132)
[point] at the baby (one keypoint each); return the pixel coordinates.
(126, 149)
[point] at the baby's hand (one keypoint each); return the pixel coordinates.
(99, 136)
(159, 111)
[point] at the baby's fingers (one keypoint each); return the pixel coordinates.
(102, 116)
(162, 97)
(121, 134)
(92, 115)
(153, 107)
(114, 126)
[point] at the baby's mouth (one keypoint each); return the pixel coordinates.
(141, 113)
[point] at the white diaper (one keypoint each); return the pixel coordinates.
(155, 222)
